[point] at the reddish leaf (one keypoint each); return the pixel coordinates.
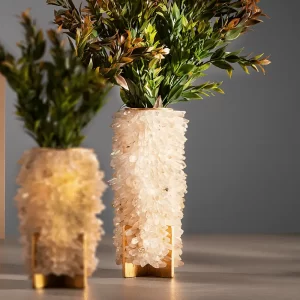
(158, 102)
(122, 82)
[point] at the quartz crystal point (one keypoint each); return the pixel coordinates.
(149, 183)
(59, 198)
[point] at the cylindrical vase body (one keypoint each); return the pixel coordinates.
(58, 199)
(149, 184)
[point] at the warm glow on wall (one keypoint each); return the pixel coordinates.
(2, 157)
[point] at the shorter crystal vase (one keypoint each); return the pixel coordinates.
(58, 200)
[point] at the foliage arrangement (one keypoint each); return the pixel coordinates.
(156, 50)
(56, 98)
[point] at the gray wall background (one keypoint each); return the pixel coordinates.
(243, 149)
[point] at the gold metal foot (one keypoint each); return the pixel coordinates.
(40, 281)
(130, 270)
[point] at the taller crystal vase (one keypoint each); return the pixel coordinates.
(149, 184)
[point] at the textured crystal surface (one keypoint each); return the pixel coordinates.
(59, 197)
(149, 183)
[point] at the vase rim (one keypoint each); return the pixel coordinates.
(62, 150)
(149, 108)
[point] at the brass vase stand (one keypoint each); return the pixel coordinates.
(40, 281)
(130, 270)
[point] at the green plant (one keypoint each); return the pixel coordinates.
(56, 98)
(181, 40)
(98, 41)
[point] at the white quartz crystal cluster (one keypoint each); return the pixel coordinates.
(59, 198)
(149, 183)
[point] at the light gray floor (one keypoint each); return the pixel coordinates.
(216, 268)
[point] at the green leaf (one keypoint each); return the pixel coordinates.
(124, 96)
(176, 12)
(185, 69)
(232, 58)
(94, 33)
(204, 67)
(177, 27)
(218, 90)
(184, 21)
(210, 44)
(222, 65)
(257, 57)
(245, 69)
(153, 63)
(234, 33)
(229, 72)
(191, 95)
(175, 93)
(37, 125)
(255, 68)
(219, 53)
(158, 80)
(160, 14)
(150, 99)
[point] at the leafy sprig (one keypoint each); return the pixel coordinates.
(58, 98)
(180, 40)
(99, 41)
